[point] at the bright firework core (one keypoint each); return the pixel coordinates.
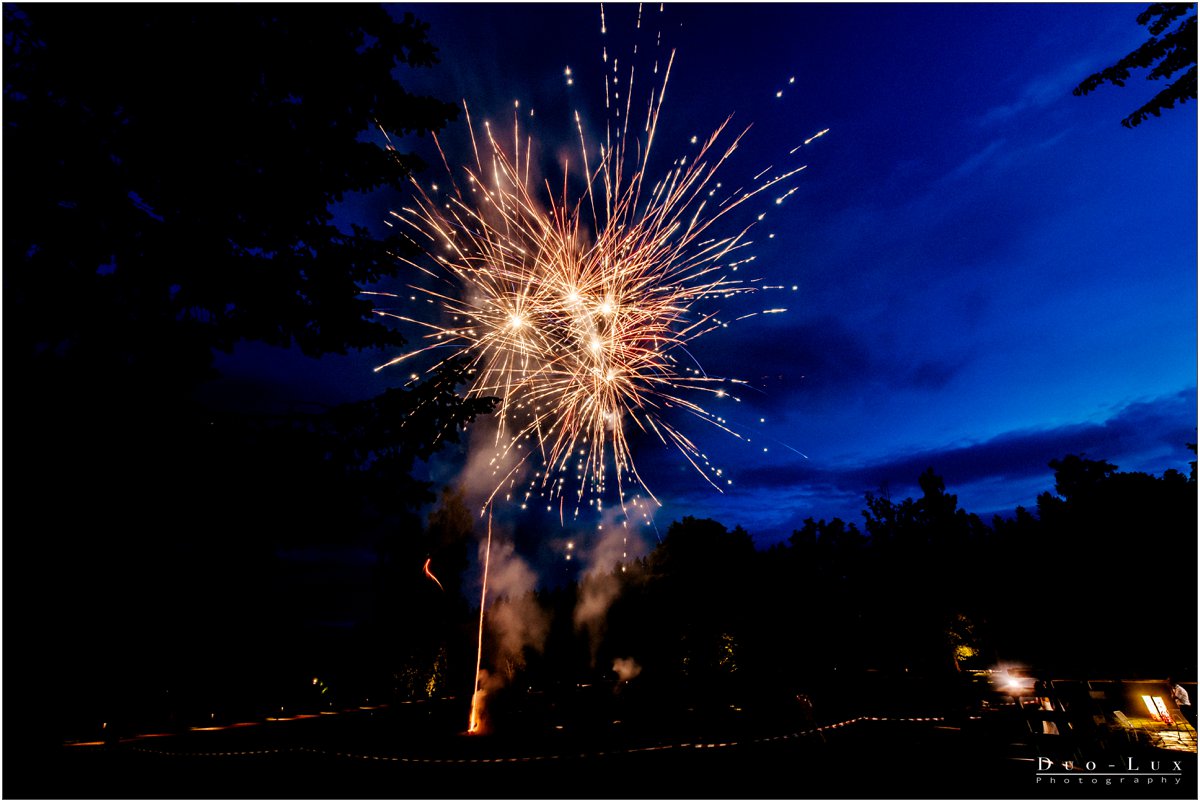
(576, 310)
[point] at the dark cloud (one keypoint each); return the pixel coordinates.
(790, 359)
(1139, 431)
(990, 478)
(934, 375)
(803, 364)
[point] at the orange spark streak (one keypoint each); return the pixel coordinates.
(429, 573)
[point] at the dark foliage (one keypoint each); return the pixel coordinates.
(416, 630)
(1163, 55)
(169, 182)
(1100, 583)
(168, 191)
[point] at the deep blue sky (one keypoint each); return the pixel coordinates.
(991, 273)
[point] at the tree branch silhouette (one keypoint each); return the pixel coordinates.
(1163, 55)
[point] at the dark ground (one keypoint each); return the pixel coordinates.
(417, 752)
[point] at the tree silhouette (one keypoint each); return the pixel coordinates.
(171, 173)
(919, 562)
(418, 604)
(1076, 476)
(174, 195)
(1163, 55)
(1105, 526)
(817, 582)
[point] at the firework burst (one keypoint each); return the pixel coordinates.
(576, 308)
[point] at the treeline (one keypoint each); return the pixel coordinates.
(1099, 580)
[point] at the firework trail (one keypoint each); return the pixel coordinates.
(475, 723)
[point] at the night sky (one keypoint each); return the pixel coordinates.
(989, 272)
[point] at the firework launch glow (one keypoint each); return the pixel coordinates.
(577, 309)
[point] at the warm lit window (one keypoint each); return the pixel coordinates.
(1157, 708)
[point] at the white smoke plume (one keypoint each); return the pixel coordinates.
(626, 668)
(601, 585)
(490, 473)
(515, 620)
(487, 683)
